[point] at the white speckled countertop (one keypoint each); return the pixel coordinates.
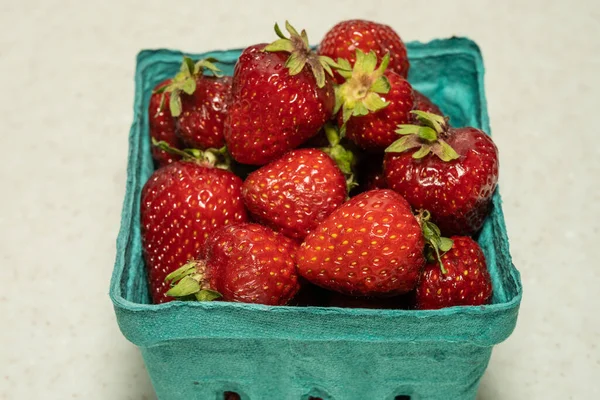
(67, 82)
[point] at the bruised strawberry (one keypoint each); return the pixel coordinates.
(180, 205)
(199, 103)
(246, 263)
(162, 125)
(462, 280)
(372, 102)
(423, 103)
(281, 97)
(343, 39)
(452, 172)
(293, 194)
(370, 246)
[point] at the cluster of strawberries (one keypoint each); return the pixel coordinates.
(312, 172)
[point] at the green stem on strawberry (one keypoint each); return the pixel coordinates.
(436, 243)
(343, 157)
(185, 81)
(301, 54)
(218, 158)
(360, 94)
(427, 137)
(188, 283)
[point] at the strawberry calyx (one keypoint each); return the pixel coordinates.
(185, 81)
(360, 94)
(343, 157)
(301, 54)
(188, 283)
(428, 137)
(218, 158)
(437, 245)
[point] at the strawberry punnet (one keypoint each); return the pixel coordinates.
(343, 39)
(246, 263)
(462, 279)
(281, 97)
(452, 172)
(181, 204)
(370, 246)
(372, 101)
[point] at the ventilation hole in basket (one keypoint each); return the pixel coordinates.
(317, 394)
(231, 396)
(402, 397)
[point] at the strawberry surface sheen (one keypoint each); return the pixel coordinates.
(294, 194)
(466, 282)
(343, 39)
(181, 205)
(272, 112)
(162, 126)
(250, 263)
(457, 193)
(370, 246)
(200, 124)
(424, 103)
(375, 131)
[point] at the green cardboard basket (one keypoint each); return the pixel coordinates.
(200, 350)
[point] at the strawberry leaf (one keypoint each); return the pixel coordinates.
(185, 287)
(207, 295)
(403, 144)
(381, 85)
(444, 151)
(280, 45)
(175, 103)
(422, 152)
(445, 244)
(373, 102)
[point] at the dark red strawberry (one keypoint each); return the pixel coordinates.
(372, 102)
(463, 279)
(200, 124)
(246, 263)
(346, 37)
(370, 246)
(162, 125)
(293, 194)
(181, 204)
(281, 97)
(452, 172)
(199, 103)
(424, 103)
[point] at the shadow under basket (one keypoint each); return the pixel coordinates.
(198, 350)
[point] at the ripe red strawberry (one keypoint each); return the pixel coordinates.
(181, 204)
(372, 102)
(200, 124)
(370, 246)
(424, 103)
(246, 263)
(346, 37)
(280, 98)
(464, 280)
(453, 172)
(162, 125)
(293, 194)
(199, 103)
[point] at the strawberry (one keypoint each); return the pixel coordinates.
(452, 172)
(462, 280)
(293, 194)
(281, 97)
(162, 125)
(346, 37)
(424, 103)
(372, 102)
(180, 205)
(246, 263)
(199, 103)
(370, 246)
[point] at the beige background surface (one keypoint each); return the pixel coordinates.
(67, 87)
